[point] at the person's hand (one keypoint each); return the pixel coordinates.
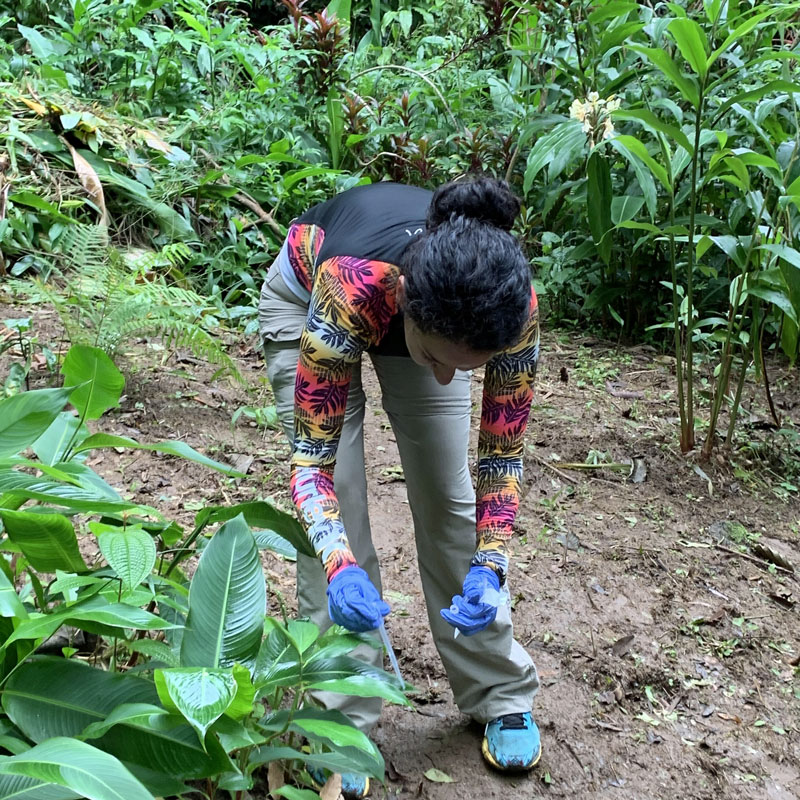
(470, 611)
(353, 601)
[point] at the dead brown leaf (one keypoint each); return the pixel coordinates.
(90, 181)
(275, 777)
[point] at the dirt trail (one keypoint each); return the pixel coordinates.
(662, 615)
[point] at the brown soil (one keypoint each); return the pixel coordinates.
(666, 638)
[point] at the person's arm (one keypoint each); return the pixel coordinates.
(507, 397)
(351, 304)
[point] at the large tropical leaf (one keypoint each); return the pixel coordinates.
(17, 487)
(227, 601)
(262, 515)
(77, 766)
(200, 695)
(18, 787)
(99, 383)
(130, 551)
(49, 697)
(25, 417)
(66, 429)
(93, 614)
(105, 440)
(330, 728)
(48, 541)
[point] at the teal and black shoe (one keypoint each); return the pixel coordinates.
(354, 787)
(511, 743)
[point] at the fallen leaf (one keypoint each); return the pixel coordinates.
(332, 790)
(275, 777)
(638, 472)
(33, 106)
(90, 181)
(437, 776)
(569, 540)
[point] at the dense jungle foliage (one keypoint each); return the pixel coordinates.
(152, 154)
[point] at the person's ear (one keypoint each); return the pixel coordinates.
(401, 291)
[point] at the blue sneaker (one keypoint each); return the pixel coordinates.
(354, 787)
(511, 743)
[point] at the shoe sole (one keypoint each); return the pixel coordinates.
(516, 768)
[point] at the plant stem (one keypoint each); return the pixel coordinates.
(676, 316)
(687, 438)
(738, 397)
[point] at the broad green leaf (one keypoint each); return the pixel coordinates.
(88, 615)
(362, 686)
(269, 540)
(99, 382)
(655, 124)
(634, 146)
(345, 759)
(130, 552)
(43, 48)
(756, 94)
(740, 31)
(625, 208)
(227, 601)
(34, 201)
(340, 9)
(105, 440)
(49, 697)
(661, 59)
(617, 35)
(643, 177)
(26, 416)
(17, 787)
(10, 604)
(776, 297)
(51, 446)
(691, 41)
(69, 121)
(78, 766)
(155, 650)
(141, 714)
(48, 541)
(18, 485)
(566, 137)
(200, 695)
(293, 793)
(785, 252)
(598, 203)
(263, 515)
(321, 724)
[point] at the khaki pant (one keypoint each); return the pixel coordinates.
(490, 673)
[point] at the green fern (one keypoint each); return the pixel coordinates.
(104, 299)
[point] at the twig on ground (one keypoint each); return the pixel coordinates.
(562, 475)
(760, 561)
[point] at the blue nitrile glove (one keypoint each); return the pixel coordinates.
(469, 613)
(353, 602)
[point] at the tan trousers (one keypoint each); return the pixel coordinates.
(490, 673)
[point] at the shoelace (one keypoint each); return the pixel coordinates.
(513, 722)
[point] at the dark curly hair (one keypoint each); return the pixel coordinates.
(466, 278)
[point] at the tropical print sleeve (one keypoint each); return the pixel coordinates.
(352, 302)
(507, 397)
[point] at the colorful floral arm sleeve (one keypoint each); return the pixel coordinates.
(350, 308)
(507, 397)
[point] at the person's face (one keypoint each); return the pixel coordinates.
(441, 355)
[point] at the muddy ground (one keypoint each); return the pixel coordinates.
(662, 615)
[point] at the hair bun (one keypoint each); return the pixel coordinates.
(485, 199)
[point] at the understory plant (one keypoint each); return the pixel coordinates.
(121, 676)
